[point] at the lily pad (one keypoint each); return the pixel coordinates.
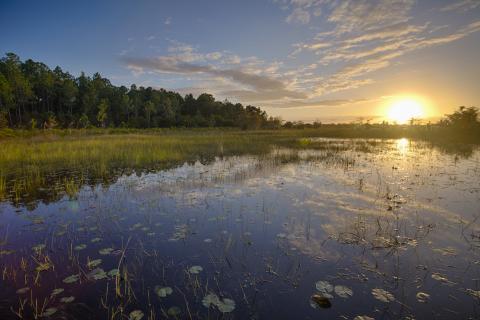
(113, 273)
(49, 312)
(343, 292)
(80, 247)
(57, 291)
(474, 293)
(226, 305)
(324, 287)
(195, 269)
(23, 290)
(97, 274)
(422, 297)
(223, 305)
(162, 292)
(210, 299)
(174, 311)
(320, 301)
(95, 240)
(67, 299)
(71, 279)
(441, 278)
(105, 251)
(94, 263)
(382, 295)
(363, 318)
(136, 315)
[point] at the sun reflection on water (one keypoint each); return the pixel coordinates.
(403, 145)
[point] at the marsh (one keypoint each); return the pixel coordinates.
(385, 229)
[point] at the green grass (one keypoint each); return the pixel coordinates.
(64, 160)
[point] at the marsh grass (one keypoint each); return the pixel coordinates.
(42, 164)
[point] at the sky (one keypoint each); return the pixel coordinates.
(303, 60)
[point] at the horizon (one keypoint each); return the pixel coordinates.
(315, 66)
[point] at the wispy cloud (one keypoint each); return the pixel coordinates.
(357, 39)
(367, 36)
(464, 5)
(245, 83)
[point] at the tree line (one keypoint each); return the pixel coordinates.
(34, 96)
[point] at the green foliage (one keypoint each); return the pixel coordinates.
(31, 90)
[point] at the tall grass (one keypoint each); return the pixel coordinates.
(63, 160)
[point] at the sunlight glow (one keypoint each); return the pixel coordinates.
(404, 109)
(403, 145)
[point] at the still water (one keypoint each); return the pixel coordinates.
(387, 230)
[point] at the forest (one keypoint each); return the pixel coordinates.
(34, 96)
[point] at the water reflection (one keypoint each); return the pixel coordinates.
(251, 237)
(402, 145)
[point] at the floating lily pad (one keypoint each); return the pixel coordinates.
(226, 305)
(324, 287)
(71, 279)
(80, 247)
(441, 278)
(195, 269)
(105, 251)
(136, 315)
(223, 305)
(57, 291)
(163, 291)
(382, 295)
(422, 297)
(210, 299)
(97, 274)
(6, 252)
(95, 240)
(363, 318)
(474, 293)
(49, 312)
(67, 299)
(174, 311)
(343, 292)
(94, 263)
(113, 273)
(23, 290)
(320, 301)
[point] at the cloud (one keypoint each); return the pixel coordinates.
(366, 36)
(260, 87)
(315, 103)
(464, 5)
(167, 21)
(302, 10)
(357, 15)
(299, 15)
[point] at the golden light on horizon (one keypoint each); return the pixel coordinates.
(403, 109)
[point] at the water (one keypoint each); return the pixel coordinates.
(393, 233)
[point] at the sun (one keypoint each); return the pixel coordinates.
(404, 109)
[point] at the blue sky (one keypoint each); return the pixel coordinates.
(300, 59)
